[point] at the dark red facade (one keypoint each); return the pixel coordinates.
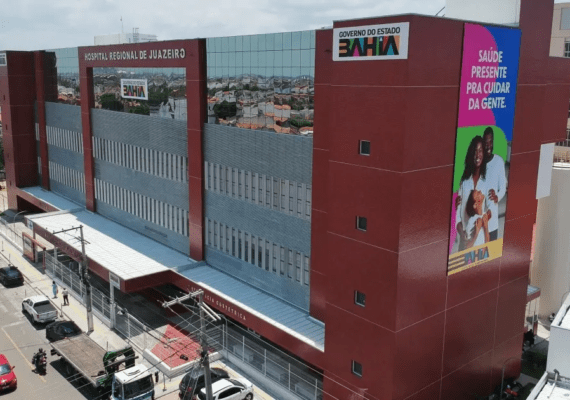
(422, 335)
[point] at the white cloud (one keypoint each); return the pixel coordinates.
(39, 24)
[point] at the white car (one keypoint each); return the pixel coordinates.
(40, 309)
(230, 389)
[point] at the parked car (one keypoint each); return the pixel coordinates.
(61, 330)
(40, 309)
(7, 376)
(11, 276)
(195, 380)
(230, 389)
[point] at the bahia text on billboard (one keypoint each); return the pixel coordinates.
(134, 89)
(484, 137)
(371, 42)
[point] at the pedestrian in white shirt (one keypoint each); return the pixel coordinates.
(496, 182)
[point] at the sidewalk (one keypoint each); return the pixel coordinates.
(141, 306)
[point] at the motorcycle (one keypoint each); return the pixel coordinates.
(39, 360)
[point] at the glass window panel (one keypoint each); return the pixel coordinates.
(232, 43)
(296, 40)
(218, 60)
(210, 45)
(312, 57)
(305, 58)
(225, 72)
(306, 40)
(278, 59)
(306, 71)
(254, 59)
(218, 44)
(232, 59)
(239, 43)
(232, 72)
(246, 59)
(239, 71)
(277, 72)
(246, 41)
(269, 41)
(239, 59)
(262, 58)
(287, 72)
(269, 58)
(225, 44)
(254, 42)
(225, 60)
(296, 58)
(295, 72)
(261, 42)
(287, 40)
(287, 58)
(278, 41)
(218, 73)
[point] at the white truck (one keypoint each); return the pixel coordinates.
(113, 373)
(133, 383)
(40, 309)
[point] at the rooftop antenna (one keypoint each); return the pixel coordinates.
(122, 30)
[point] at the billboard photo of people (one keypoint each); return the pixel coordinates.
(484, 137)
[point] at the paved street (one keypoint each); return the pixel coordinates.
(19, 339)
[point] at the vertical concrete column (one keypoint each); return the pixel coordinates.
(87, 103)
(41, 116)
(196, 96)
(18, 94)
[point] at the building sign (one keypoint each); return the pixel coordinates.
(3, 59)
(159, 54)
(483, 145)
(371, 42)
(134, 89)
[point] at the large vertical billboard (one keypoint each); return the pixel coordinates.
(483, 145)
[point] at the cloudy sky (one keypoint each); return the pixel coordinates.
(41, 24)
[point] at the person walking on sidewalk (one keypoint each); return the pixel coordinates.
(54, 289)
(65, 298)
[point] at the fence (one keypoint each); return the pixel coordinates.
(11, 234)
(291, 375)
(281, 369)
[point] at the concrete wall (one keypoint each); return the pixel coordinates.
(489, 11)
(559, 36)
(551, 265)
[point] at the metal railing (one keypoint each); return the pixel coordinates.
(11, 234)
(281, 369)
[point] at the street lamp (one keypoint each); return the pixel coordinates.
(503, 374)
(14, 220)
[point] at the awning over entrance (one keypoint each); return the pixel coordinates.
(132, 256)
(117, 249)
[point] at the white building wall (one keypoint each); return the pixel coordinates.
(559, 36)
(489, 11)
(121, 38)
(551, 264)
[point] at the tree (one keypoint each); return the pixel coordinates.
(110, 102)
(225, 109)
(143, 109)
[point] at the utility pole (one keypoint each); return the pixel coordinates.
(204, 309)
(204, 343)
(84, 276)
(86, 284)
